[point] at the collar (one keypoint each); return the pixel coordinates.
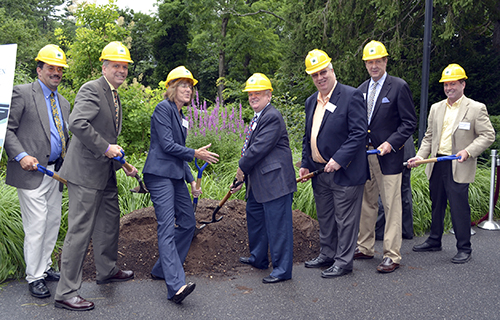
(110, 85)
(455, 104)
(328, 96)
(380, 81)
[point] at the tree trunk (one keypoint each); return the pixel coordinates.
(222, 60)
(496, 32)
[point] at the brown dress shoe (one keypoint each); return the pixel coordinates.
(387, 266)
(75, 304)
(358, 255)
(120, 276)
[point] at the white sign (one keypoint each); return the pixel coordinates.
(7, 68)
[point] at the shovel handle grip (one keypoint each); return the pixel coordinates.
(228, 194)
(310, 175)
(128, 166)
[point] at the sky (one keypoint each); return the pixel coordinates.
(144, 6)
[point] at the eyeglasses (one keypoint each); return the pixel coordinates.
(185, 85)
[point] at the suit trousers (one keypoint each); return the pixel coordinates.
(93, 214)
(269, 226)
(389, 188)
(338, 209)
(41, 214)
(442, 189)
(173, 206)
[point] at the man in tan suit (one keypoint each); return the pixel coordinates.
(92, 188)
(461, 126)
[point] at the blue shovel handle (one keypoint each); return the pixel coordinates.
(374, 151)
(198, 180)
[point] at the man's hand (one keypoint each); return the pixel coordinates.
(464, 154)
(384, 148)
(131, 173)
(332, 166)
(240, 176)
(114, 150)
(303, 172)
(411, 162)
(29, 163)
(205, 155)
(195, 192)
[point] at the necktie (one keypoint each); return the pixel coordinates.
(249, 133)
(117, 108)
(57, 121)
(371, 97)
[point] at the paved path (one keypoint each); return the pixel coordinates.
(427, 286)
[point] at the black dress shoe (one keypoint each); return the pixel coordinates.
(75, 304)
(120, 276)
(52, 275)
(245, 260)
(461, 257)
(426, 247)
(318, 262)
(271, 279)
(38, 289)
(334, 271)
(156, 277)
(186, 292)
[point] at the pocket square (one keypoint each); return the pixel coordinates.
(385, 100)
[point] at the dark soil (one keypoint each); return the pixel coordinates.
(214, 252)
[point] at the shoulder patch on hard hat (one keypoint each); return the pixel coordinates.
(59, 55)
(314, 60)
(372, 51)
(447, 72)
(121, 51)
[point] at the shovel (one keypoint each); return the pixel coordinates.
(438, 159)
(312, 174)
(141, 188)
(46, 171)
(221, 203)
(198, 185)
(374, 151)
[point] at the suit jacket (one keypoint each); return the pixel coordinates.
(28, 131)
(267, 163)
(341, 136)
(92, 123)
(393, 120)
(475, 139)
(168, 155)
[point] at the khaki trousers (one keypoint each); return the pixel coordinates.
(389, 188)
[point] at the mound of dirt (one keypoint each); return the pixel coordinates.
(216, 249)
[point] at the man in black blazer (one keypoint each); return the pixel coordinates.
(89, 167)
(391, 121)
(37, 134)
(266, 166)
(334, 139)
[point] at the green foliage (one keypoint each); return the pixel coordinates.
(97, 25)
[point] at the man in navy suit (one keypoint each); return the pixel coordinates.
(334, 139)
(266, 166)
(391, 121)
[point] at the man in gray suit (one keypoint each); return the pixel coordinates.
(37, 134)
(92, 188)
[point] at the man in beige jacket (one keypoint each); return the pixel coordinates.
(461, 126)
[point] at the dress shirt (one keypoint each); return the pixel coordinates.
(319, 113)
(377, 92)
(448, 121)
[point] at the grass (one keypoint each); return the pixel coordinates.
(215, 185)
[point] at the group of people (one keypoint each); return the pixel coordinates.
(342, 124)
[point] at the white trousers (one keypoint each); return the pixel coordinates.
(41, 213)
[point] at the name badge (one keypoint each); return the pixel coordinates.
(254, 125)
(364, 96)
(330, 107)
(185, 123)
(464, 125)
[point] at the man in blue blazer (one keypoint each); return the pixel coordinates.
(391, 121)
(266, 166)
(334, 139)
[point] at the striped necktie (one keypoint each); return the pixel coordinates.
(57, 121)
(117, 108)
(371, 97)
(249, 133)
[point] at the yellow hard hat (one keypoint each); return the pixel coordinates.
(453, 72)
(258, 82)
(116, 51)
(180, 73)
(374, 50)
(316, 60)
(53, 55)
